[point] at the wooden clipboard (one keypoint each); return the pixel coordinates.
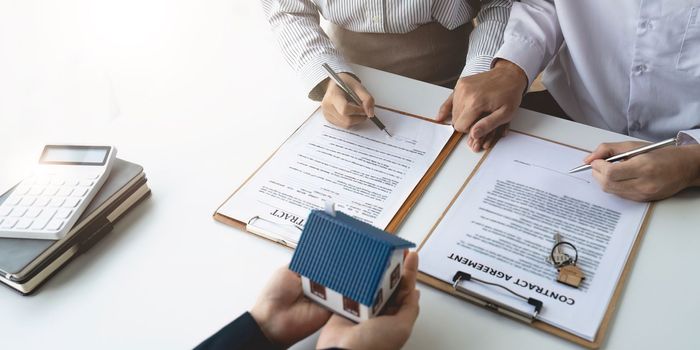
(403, 211)
(614, 300)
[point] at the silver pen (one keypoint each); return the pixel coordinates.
(333, 75)
(629, 154)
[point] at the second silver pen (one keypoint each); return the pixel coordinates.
(333, 75)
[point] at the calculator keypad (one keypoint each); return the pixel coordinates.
(45, 203)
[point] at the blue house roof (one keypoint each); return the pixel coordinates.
(345, 254)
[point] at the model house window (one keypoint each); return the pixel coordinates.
(395, 275)
(351, 306)
(377, 301)
(318, 290)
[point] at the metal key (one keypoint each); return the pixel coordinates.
(560, 257)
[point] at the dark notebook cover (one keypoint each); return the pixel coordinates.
(16, 254)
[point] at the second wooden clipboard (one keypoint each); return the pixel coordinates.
(614, 300)
(403, 211)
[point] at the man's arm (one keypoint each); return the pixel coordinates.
(482, 105)
(305, 45)
(532, 37)
(487, 36)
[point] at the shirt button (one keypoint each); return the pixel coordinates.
(635, 126)
(639, 69)
(375, 19)
(644, 24)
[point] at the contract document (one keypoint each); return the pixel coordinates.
(366, 173)
(500, 229)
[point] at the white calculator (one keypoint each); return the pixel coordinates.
(49, 202)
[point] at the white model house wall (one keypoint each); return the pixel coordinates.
(386, 287)
(334, 300)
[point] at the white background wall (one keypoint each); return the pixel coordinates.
(95, 70)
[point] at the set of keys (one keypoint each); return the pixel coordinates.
(569, 273)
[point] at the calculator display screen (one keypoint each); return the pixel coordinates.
(75, 155)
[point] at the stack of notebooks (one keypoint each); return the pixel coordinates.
(25, 264)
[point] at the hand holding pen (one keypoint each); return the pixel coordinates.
(347, 102)
(649, 171)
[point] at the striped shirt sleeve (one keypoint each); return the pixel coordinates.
(305, 45)
(487, 36)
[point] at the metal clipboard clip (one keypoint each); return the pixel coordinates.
(492, 304)
(279, 237)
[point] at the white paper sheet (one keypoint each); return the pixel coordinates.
(368, 174)
(501, 229)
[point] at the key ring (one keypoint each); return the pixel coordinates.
(551, 254)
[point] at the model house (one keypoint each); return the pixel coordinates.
(347, 265)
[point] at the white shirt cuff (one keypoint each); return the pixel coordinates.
(688, 137)
(519, 51)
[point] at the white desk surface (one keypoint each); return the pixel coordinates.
(198, 93)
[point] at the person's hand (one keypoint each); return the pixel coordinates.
(482, 105)
(388, 331)
(647, 177)
(341, 112)
(284, 314)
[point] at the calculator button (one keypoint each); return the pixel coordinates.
(64, 191)
(36, 190)
(14, 200)
(57, 182)
(42, 201)
(91, 176)
(47, 213)
(72, 183)
(63, 213)
(9, 223)
(71, 202)
(5, 211)
(23, 224)
(43, 181)
(51, 191)
(27, 201)
(33, 212)
(54, 225)
(56, 202)
(39, 224)
(79, 192)
(18, 212)
(87, 183)
(22, 190)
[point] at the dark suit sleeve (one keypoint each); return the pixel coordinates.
(241, 334)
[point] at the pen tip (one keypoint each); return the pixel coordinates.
(387, 133)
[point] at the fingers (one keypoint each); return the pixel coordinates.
(410, 269)
(341, 112)
(496, 135)
(489, 129)
(465, 119)
(616, 171)
(607, 150)
(410, 308)
(489, 123)
(488, 141)
(366, 98)
(624, 179)
(445, 111)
